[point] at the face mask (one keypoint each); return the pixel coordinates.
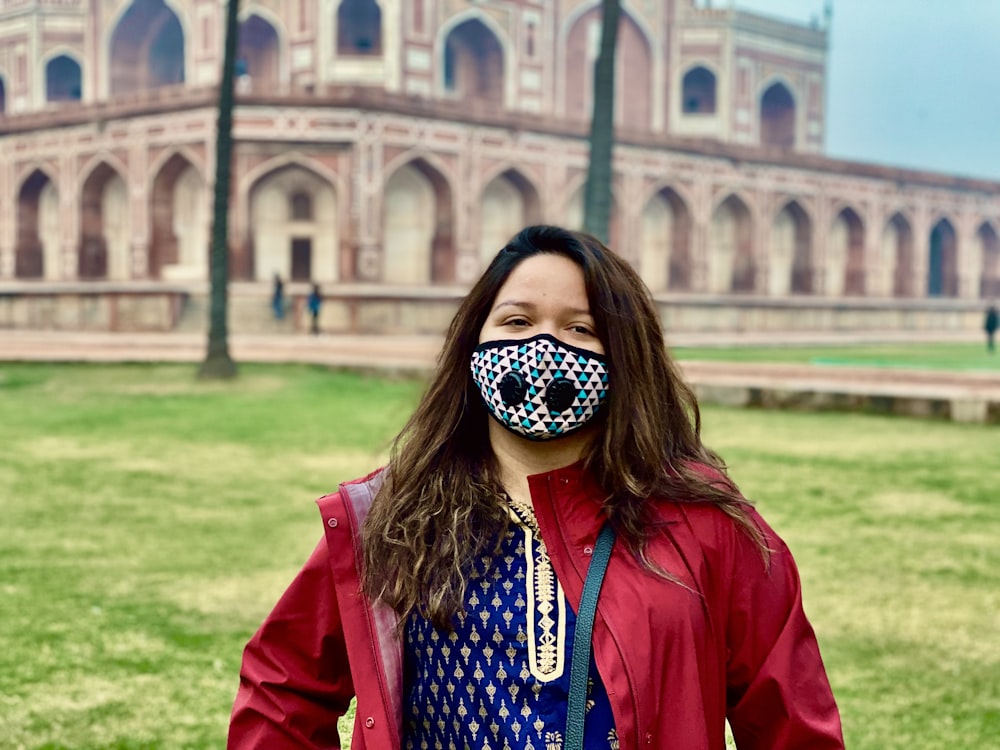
(540, 388)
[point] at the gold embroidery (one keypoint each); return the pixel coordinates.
(546, 606)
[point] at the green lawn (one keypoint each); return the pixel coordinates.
(934, 356)
(150, 521)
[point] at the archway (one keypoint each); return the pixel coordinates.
(63, 80)
(665, 249)
(777, 117)
(147, 48)
(417, 226)
(293, 221)
(790, 265)
(258, 55)
(36, 254)
(698, 91)
(359, 28)
(845, 262)
(474, 65)
(509, 203)
(896, 257)
(105, 224)
(942, 263)
(179, 242)
(731, 266)
(633, 70)
(989, 247)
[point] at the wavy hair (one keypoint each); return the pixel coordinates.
(440, 506)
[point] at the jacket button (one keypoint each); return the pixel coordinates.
(332, 523)
(369, 722)
(588, 550)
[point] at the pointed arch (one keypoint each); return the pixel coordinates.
(63, 79)
(508, 203)
(665, 242)
(731, 262)
(146, 48)
(417, 221)
(474, 60)
(942, 261)
(179, 216)
(791, 264)
(896, 257)
(36, 253)
(259, 58)
(845, 262)
(295, 246)
(105, 225)
(989, 250)
(777, 116)
(359, 28)
(698, 91)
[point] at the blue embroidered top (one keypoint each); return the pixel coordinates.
(500, 680)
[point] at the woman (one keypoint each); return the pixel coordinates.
(445, 592)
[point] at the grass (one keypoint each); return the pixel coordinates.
(971, 357)
(150, 522)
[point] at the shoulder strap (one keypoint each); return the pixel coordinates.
(580, 660)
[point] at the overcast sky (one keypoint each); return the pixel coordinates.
(913, 83)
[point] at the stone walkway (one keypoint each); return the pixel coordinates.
(961, 396)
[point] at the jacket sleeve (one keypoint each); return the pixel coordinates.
(295, 681)
(777, 691)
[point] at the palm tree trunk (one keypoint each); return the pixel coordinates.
(218, 364)
(597, 194)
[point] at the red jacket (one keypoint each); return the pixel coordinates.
(677, 660)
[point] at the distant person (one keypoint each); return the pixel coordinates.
(314, 301)
(278, 298)
(448, 593)
(990, 325)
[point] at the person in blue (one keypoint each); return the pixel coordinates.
(278, 298)
(990, 325)
(313, 303)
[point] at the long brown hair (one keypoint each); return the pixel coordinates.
(439, 508)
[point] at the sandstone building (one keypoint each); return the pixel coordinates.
(396, 144)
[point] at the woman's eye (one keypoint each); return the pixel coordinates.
(516, 322)
(584, 330)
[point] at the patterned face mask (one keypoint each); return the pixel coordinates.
(540, 388)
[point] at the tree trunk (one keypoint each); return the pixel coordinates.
(597, 194)
(218, 364)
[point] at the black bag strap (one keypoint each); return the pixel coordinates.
(580, 660)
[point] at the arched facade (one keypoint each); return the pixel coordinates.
(665, 261)
(146, 49)
(845, 258)
(731, 262)
(359, 28)
(942, 261)
(989, 256)
(259, 55)
(791, 269)
(105, 226)
(37, 251)
(417, 221)
(698, 91)
(293, 226)
(398, 142)
(777, 117)
(63, 79)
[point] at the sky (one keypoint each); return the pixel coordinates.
(910, 83)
